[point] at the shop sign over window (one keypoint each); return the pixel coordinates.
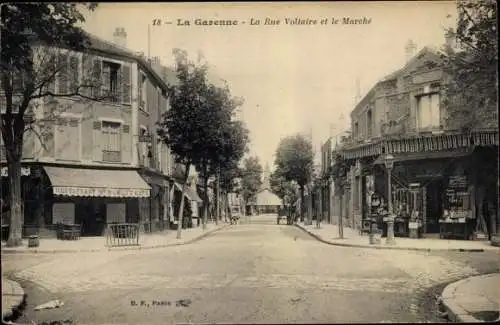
(458, 182)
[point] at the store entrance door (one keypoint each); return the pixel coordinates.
(434, 206)
(92, 216)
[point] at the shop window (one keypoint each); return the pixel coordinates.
(457, 198)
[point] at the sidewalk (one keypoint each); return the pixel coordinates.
(474, 299)
(329, 234)
(12, 297)
(161, 239)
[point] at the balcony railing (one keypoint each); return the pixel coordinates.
(421, 142)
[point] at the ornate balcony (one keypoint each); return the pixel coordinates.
(427, 142)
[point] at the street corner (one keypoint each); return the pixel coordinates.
(473, 299)
(13, 299)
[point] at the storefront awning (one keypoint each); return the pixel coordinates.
(154, 180)
(408, 156)
(191, 194)
(97, 182)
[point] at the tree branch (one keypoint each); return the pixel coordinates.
(30, 128)
(75, 93)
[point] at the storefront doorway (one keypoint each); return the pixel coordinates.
(92, 217)
(434, 205)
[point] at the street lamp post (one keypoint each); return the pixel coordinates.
(389, 164)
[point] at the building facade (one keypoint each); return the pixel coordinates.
(91, 162)
(438, 174)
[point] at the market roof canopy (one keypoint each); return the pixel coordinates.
(267, 197)
(97, 182)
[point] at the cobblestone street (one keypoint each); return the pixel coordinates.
(249, 273)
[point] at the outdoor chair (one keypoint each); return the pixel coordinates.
(71, 232)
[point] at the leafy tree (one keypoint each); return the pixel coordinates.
(230, 172)
(32, 35)
(233, 145)
(286, 190)
(199, 127)
(251, 180)
(183, 127)
(472, 89)
(294, 160)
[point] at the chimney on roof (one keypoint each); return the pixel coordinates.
(120, 37)
(410, 49)
(450, 39)
(155, 60)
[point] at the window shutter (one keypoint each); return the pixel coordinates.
(126, 129)
(96, 77)
(118, 89)
(126, 98)
(106, 77)
(74, 64)
(139, 89)
(62, 75)
(86, 74)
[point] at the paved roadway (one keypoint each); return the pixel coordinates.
(248, 273)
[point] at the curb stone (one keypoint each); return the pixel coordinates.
(113, 249)
(455, 312)
(20, 300)
(387, 247)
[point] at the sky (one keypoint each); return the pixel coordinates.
(294, 78)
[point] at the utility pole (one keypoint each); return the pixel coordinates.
(149, 41)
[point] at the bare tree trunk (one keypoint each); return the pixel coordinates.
(341, 225)
(181, 208)
(225, 206)
(39, 199)
(229, 206)
(217, 201)
(16, 211)
(302, 205)
(205, 203)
